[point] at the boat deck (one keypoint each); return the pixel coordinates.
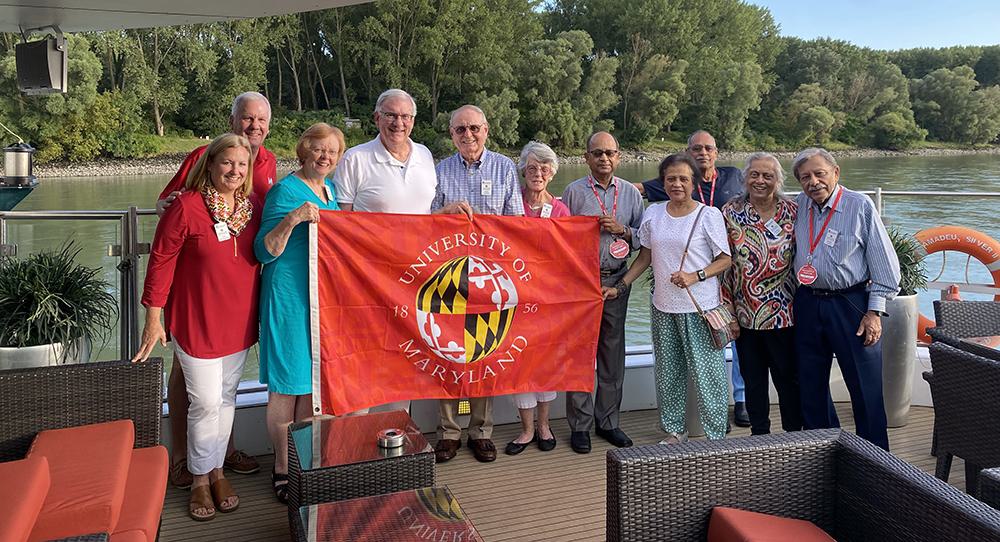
(557, 495)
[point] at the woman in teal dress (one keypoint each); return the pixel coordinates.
(283, 247)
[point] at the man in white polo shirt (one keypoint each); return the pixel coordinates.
(391, 173)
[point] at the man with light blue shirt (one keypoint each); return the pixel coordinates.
(473, 180)
(847, 270)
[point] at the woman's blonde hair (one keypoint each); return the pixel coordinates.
(316, 132)
(199, 177)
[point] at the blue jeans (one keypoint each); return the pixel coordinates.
(738, 388)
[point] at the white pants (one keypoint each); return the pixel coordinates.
(531, 399)
(211, 387)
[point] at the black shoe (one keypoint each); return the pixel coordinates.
(729, 427)
(545, 444)
(740, 416)
(514, 448)
(580, 442)
(615, 436)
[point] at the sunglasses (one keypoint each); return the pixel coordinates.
(472, 128)
(597, 153)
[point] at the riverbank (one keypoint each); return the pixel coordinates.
(168, 163)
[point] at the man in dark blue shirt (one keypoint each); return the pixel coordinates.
(716, 186)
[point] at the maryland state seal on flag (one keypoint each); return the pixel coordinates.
(440, 306)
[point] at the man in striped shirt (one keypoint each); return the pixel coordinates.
(847, 270)
(473, 180)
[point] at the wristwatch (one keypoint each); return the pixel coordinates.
(701, 275)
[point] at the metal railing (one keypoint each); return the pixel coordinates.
(131, 248)
(127, 252)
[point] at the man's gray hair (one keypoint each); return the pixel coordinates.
(451, 119)
(394, 93)
(806, 154)
(540, 152)
(248, 97)
(698, 133)
(779, 172)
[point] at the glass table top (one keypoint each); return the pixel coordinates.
(333, 442)
(430, 513)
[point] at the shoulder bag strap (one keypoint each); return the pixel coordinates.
(684, 257)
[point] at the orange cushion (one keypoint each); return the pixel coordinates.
(144, 492)
(733, 525)
(89, 466)
(23, 490)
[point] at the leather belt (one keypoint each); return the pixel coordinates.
(832, 293)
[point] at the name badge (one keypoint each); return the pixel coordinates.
(773, 228)
(830, 238)
(486, 187)
(329, 194)
(546, 210)
(222, 231)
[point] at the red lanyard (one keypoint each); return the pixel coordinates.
(600, 200)
(711, 197)
(813, 243)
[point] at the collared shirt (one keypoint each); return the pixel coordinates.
(370, 178)
(579, 197)
(855, 247)
(489, 184)
(760, 284)
(728, 185)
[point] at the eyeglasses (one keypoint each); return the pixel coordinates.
(765, 175)
(472, 128)
(597, 153)
(699, 148)
(544, 170)
(317, 151)
(393, 117)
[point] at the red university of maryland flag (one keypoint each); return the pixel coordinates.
(438, 306)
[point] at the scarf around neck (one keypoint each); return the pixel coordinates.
(237, 219)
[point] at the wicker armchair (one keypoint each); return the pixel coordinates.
(968, 318)
(33, 400)
(964, 389)
(845, 485)
(989, 487)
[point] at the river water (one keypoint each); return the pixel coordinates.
(969, 173)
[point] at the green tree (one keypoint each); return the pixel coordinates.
(948, 104)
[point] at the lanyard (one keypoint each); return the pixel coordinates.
(813, 243)
(711, 197)
(600, 200)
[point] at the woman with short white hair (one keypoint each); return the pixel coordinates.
(538, 164)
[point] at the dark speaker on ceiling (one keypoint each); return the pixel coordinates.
(41, 66)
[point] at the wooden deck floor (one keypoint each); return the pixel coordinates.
(557, 495)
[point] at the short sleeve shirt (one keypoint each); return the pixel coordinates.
(372, 179)
(666, 237)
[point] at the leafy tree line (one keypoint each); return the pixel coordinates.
(554, 71)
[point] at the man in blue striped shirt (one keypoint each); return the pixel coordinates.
(473, 180)
(847, 270)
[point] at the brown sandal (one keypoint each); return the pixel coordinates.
(180, 476)
(221, 491)
(201, 498)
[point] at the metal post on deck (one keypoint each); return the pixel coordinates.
(879, 205)
(129, 269)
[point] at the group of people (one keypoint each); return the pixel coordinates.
(805, 278)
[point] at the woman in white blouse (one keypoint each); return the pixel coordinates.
(682, 342)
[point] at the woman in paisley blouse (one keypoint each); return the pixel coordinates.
(760, 286)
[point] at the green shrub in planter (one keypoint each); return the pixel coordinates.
(49, 298)
(911, 255)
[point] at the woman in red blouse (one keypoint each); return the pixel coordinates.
(203, 276)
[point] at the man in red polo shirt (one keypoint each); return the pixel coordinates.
(250, 117)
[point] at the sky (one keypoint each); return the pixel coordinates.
(890, 24)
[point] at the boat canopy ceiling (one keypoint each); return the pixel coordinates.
(92, 15)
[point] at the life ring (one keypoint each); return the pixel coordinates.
(967, 241)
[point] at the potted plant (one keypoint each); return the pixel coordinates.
(51, 307)
(899, 333)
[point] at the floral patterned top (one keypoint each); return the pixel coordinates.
(760, 285)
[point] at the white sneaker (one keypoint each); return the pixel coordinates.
(675, 438)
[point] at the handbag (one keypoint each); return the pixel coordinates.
(717, 319)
